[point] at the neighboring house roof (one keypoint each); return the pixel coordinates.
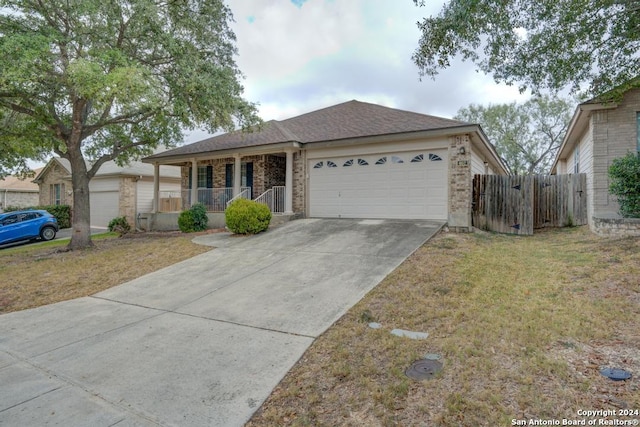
(13, 183)
(346, 121)
(112, 169)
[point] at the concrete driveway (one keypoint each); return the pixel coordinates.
(200, 343)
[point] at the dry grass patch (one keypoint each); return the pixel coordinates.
(523, 325)
(43, 274)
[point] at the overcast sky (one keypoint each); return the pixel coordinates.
(301, 55)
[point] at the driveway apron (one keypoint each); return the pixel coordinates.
(199, 343)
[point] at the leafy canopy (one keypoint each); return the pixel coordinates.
(527, 136)
(593, 46)
(114, 78)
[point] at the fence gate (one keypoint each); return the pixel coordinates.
(520, 204)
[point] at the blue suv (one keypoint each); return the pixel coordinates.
(26, 225)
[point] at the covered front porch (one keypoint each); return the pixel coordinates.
(216, 179)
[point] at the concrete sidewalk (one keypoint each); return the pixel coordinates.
(200, 343)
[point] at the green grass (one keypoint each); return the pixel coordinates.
(522, 324)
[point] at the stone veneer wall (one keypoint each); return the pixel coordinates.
(299, 182)
(22, 199)
(127, 199)
(460, 184)
(616, 227)
(55, 175)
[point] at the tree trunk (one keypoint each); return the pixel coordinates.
(80, 213)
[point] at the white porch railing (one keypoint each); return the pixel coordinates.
(214, 199)
(244, 194)
(274, 198)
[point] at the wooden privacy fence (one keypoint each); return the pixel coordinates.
(520, 204)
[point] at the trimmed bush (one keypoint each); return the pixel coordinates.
(247, 217)
(119, 225)
(61, 212)
(624, 174)
(194, 219)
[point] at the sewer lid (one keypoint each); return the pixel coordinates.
(423, 369)
(616, 374)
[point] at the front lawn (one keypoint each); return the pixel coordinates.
(38, 274)
(523, 325)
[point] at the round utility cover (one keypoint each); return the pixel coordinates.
(423, 369)
(616, 374)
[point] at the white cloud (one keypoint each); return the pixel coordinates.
(301, 57)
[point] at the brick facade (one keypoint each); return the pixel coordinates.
(615, 134)
(299, 182)
(21, 199)
(460, 183)
(269, 170)
(127, 199)
(56, 175)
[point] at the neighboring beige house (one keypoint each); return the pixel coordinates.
(18, 192)
(114, 191)
(351, 160)
(597, 134)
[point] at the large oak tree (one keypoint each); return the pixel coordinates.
(96, 80)
(589, 46)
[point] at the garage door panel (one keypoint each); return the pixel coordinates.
(104, 207)
(398, 188)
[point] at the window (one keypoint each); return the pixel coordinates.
(363, 162)
(318, 165)
(576, 160)
(57, 194)
(348, 163)
(381, 161)
(202, 177)
(396, 159)
(434, 157)
(331, 164)
(418, 158)
(11, 219)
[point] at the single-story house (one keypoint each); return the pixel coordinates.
(114, 191)
(597, 134)
(15, 191)
(351, 160)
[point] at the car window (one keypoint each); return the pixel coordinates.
(11, 219)
(30, 215)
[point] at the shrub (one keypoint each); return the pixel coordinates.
(61, 212)
(247, 217)
(194, 219)
(624, 174)
(119, 225)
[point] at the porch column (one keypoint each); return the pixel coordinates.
(237, 175)
(156, 187)
(288, 198)
(194, 182)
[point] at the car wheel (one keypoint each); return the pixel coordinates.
(48, 233)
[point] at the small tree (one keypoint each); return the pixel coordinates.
(624, 174)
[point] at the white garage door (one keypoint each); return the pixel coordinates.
(396, 185)
(104, 207)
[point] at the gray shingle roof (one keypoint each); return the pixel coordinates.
(353, 119)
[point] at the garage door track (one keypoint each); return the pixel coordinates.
(200, 343)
